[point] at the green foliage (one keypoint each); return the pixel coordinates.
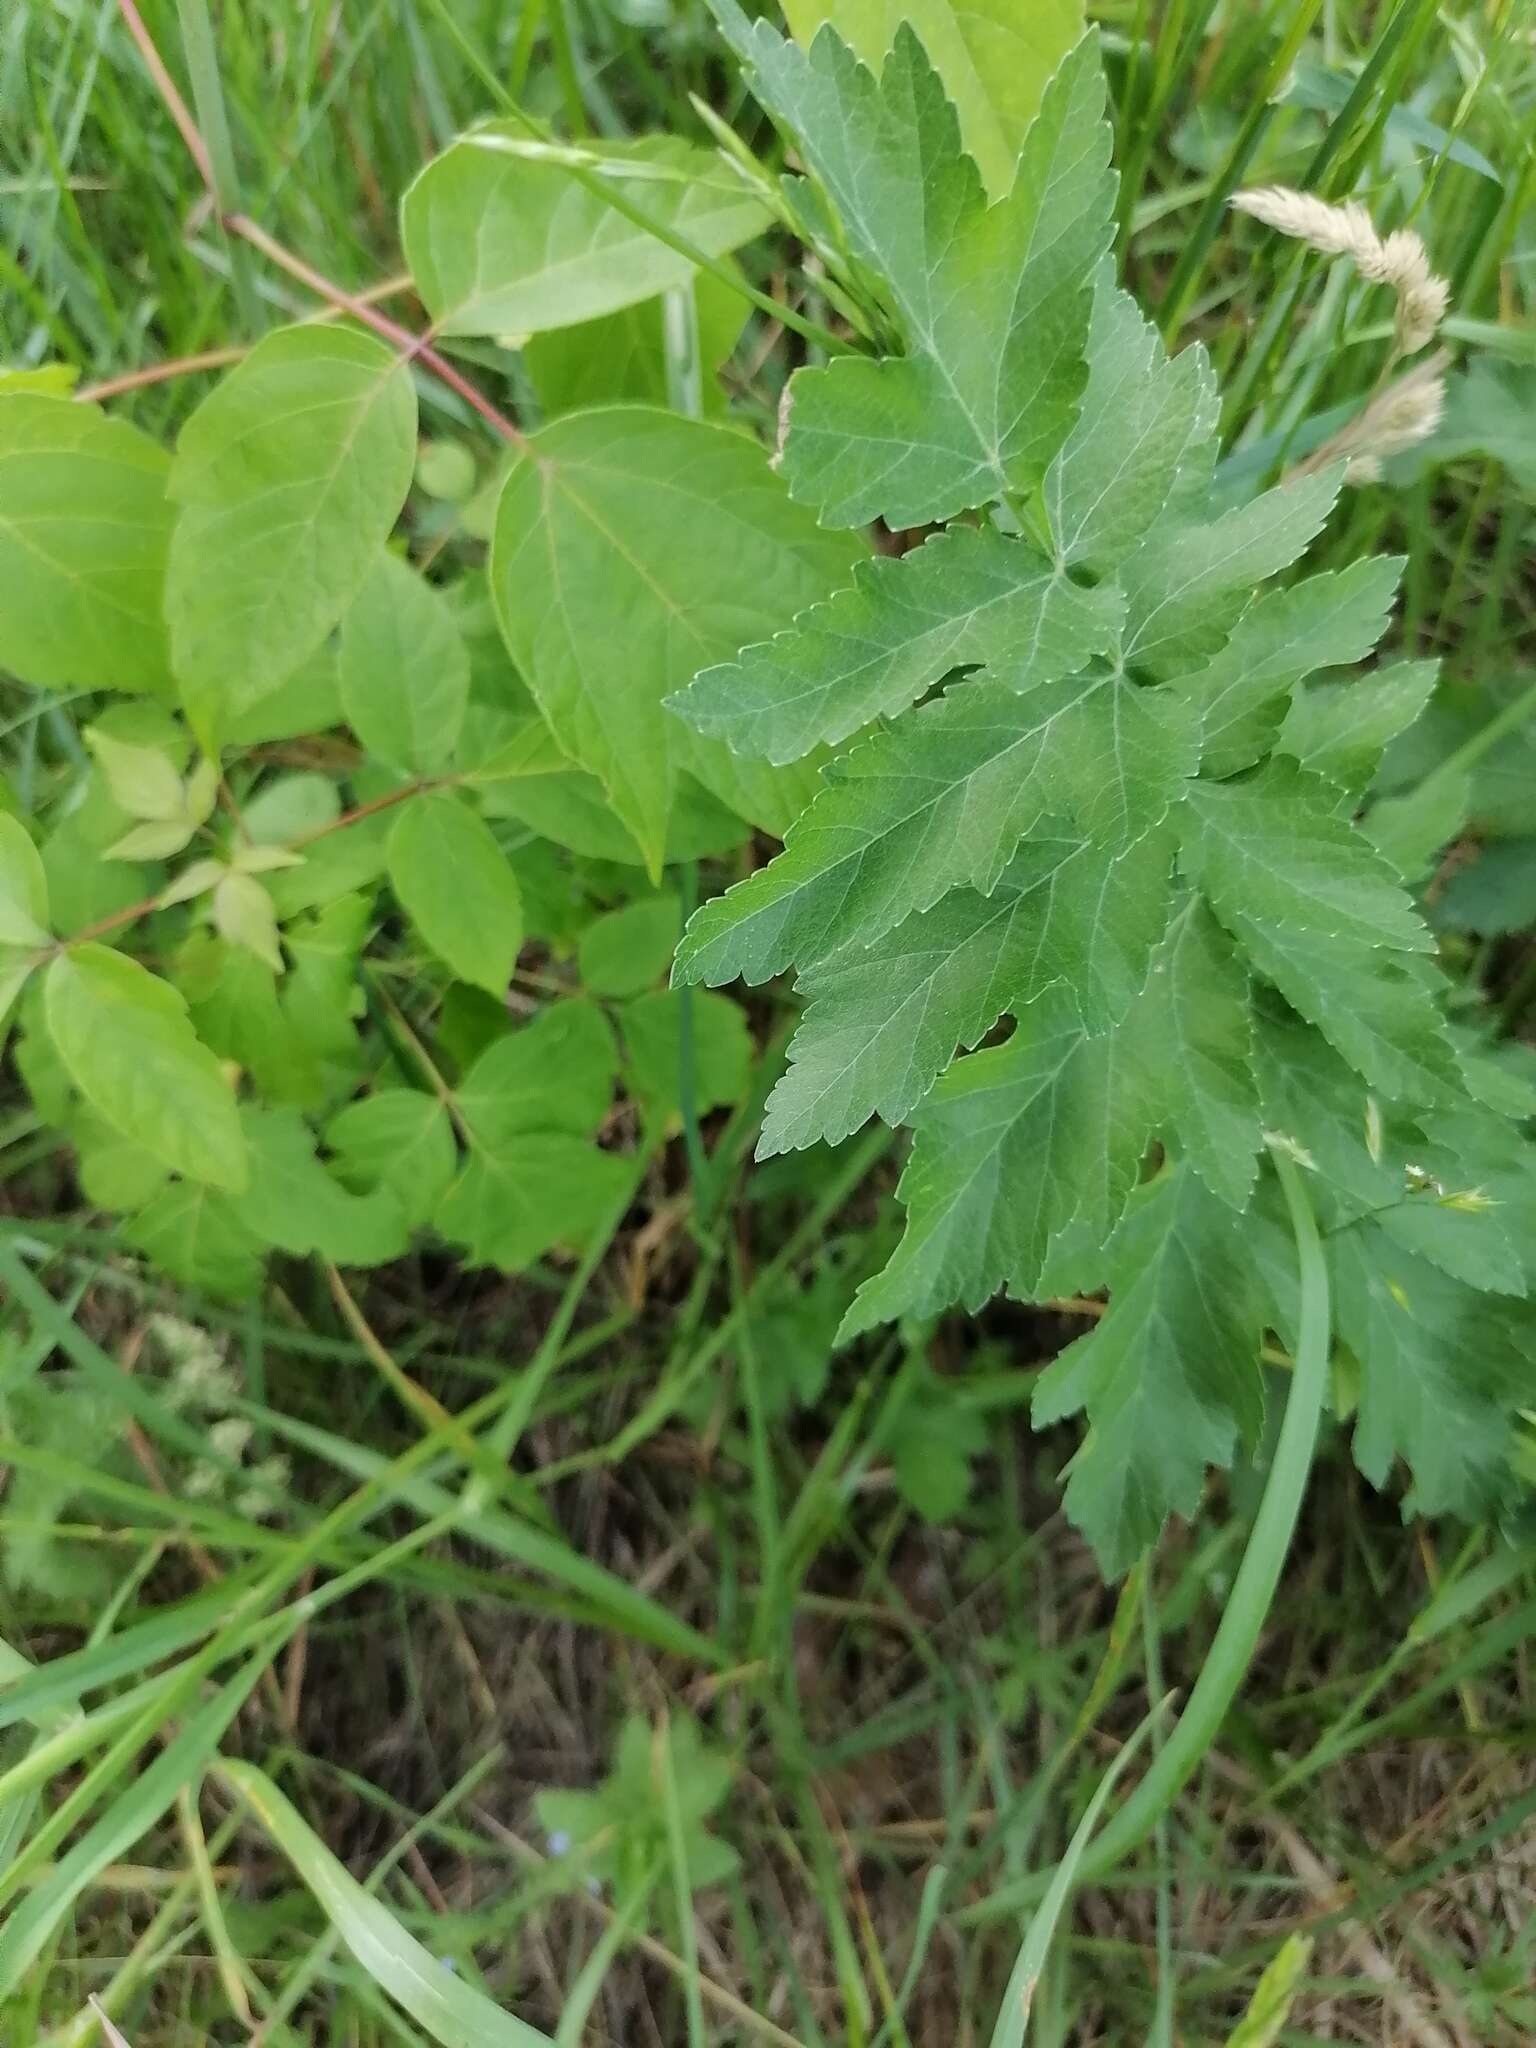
(1124, 829)
(288, 477)
(509, 235)
(618, 1834)
(82, 547)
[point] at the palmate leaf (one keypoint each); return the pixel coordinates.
(993, 301)
(1123, 841)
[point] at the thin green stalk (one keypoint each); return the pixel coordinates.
(1483, 741)
(1253, 1590)
(1181, 286)
(213, 123)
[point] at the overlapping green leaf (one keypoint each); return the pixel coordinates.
(942, 800)
(633, 548)
(503, 239)
(1169, 1378)
(289, 477)
(969, 597)
(85, 526)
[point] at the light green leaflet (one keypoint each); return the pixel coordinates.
(123, 1035)
(994, 300)
(404, 670)
(289, 476)
(23, 887)
(621, 358)
(994, 57)
(294, 1203)
(502, 239)
(84, 530)
(533, 1178)
(633, 548)
(458, 889)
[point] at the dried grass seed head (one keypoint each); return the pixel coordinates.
(1399, 259)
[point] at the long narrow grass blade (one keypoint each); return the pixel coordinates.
(452, 2012)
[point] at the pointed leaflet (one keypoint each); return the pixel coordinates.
(457, 887)
(1189, 583)
(23, 887)
(289, 477)
(193, 1235)
(994, 57)
(1142, 414)
(294, 1203)
(943, 799)
(1013, 1145)
(1196, 1013)
(399, 1140)
(1441, 1369)
(84, 530)
(1324, 621)
(404, 670)
(503, 240)
(633, 548)
(533, 1179)
(1169, 1378)
(124, 1037)
(1322, 916)
(993, 302)
(885, 1020)
(1342, 729)
(968, 596)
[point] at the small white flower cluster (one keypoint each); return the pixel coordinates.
(201, 1385)
(1398, 259)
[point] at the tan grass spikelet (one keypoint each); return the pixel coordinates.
(1398, 259)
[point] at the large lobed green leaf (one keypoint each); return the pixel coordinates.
(993, 300)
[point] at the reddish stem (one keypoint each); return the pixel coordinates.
(165, 85)
(412, 346)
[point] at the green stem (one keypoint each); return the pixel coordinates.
(1472, 750)
(1258, 1575)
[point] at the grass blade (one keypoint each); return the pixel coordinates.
(451, 2011)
